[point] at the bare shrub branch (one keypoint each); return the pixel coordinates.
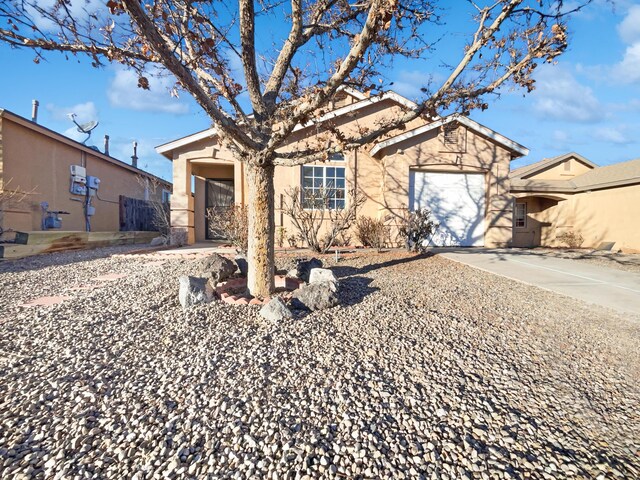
(230, 223)
(317, 224)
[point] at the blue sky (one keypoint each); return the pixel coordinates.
(589, 102)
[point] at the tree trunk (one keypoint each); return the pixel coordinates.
(260, 253)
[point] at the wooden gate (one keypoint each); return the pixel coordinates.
(136, 215)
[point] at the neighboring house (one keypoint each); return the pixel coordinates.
(569, 193)
(454, 166)
(53, 168)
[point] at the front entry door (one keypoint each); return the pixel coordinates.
(219, 197)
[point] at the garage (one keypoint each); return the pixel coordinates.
(457, 203)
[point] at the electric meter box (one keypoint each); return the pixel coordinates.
(91, 211)
(78, 171)
(93, 182)
(78, 180)
(78, 188)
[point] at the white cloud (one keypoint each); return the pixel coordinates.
(84, 112)
(629, 28)
(628, 70)
(124, 93)
(612, 135)
(560, 96)
(560, 136)
(79, 10)
(148, 159)
(410, 82)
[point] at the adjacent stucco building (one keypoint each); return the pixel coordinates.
(454, 166)
(569, 193)
(39, 161)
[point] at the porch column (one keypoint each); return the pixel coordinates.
(238, 183)
(182, 204)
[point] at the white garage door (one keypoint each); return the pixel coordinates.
(457, 202)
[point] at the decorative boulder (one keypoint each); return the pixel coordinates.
(276, 310)
(194, 290)
(303, 269)
(242, 264)
(322, 275)
(315, 296)
(158, 241)
(217, 267)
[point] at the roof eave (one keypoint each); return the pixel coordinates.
(515, 148)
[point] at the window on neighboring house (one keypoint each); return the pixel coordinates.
(336, 157)
(520, 218)
(322, 184)
(166, 196)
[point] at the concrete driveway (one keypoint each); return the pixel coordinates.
(596, 284)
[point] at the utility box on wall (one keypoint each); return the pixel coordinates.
(93, 182)
(78, 180)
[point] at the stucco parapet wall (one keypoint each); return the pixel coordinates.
(529, 170)
(36, 127)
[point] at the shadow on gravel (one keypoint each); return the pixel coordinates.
(354, 289)
(354, 286)
(57, 259)
(347, 271)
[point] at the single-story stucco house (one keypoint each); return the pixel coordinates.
(92, 186)
(454, 166)
(569, 193)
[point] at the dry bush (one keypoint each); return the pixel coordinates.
(308, 218)
(571, 239)
(161, 211)
(417, 228)
(372, 232)
(11, 198)
(230, 223)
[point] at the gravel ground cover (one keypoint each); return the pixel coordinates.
(429, 369)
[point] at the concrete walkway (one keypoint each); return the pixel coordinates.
(596, 284)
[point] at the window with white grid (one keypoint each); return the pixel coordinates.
(323, 184)
(520, 217)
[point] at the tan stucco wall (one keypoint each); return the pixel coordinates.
(427, 153)
(560, 172)
(384, 180)
(34, 161)
(599, 216)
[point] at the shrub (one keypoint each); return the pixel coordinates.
(570, 238)
(308, 218)
(417, 228)
(161, 218)
(231, 223)
(372, 232)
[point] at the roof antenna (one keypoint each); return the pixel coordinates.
(85, 128)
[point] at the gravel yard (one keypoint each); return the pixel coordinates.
(429, 369)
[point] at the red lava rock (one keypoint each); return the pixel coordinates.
(45, 301)
(110, 276)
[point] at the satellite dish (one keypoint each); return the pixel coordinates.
(85, 127)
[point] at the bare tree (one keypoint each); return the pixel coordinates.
(292, 79)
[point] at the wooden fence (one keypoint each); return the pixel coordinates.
(136, 215)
